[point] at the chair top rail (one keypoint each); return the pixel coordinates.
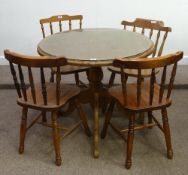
(34, 61)
(58, 18)
(147, 24)
(145, 63)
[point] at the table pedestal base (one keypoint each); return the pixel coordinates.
(94, 95)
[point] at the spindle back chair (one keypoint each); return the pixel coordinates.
(61, 19)
(153, 29)
(152, 26)
(34, 62)
(43, 96)
(143, 96)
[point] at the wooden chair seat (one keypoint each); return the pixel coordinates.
(56, 24)
(67, 92)
(133, 72)
(68, 69)
(44, 97)
(116, 92)
(153, 29)
(143, 96)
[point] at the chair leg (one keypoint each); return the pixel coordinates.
(104, 103)
(83, 118)
(167, 133)
(141, 117)
(107, 119)
(130, 138)
(52, 77)
(141, 114)
(23, 127)
(111, 81)
(150, 121)
(77, 79)
(56, 138)
(44, 116)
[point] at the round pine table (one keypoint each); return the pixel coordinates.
(95, 48)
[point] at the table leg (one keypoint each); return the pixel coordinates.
(95, 76)
(93, 96)
(96, 125)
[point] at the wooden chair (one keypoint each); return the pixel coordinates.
(153, 29)
(60, 19)
(42, 96)
(142, 96)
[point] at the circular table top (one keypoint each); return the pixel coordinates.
(95, 47)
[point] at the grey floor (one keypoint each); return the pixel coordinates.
(149, 155)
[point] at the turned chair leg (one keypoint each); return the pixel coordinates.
(23, 128)
(150, 120)
(52, 76)
(167, 133)
(107, 119)
(56, 137)
(141, 118)
(83, 118)
(44, 116)
(130, 138)
(104, 105)
(77, 79)
(111, 81)
(141, 114)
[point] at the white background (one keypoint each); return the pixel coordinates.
(20, 30)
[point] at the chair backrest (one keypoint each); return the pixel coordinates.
(156, 32)
(59, 19)
(40, 62)
(144, 63)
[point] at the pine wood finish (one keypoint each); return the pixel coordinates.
(61, 20)
(43, 96)
(143, 96)
(153, 29)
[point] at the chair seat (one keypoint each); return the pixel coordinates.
(133, 72)
(116, 92)
(67, 69)
(67, 92)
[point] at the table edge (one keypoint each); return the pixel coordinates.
(97, 62)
